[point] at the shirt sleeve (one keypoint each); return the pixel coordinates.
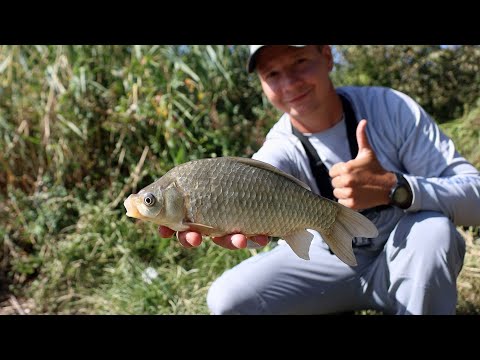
(441, 179)
(273, 152)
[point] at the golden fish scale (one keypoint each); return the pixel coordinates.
(248, 199)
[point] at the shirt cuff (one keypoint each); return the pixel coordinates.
(417, 200)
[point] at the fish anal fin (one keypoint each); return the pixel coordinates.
(300, 242)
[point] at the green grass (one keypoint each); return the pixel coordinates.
(89, 258)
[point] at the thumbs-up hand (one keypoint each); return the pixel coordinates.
(362, 183)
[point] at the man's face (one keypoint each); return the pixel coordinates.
(295, 80)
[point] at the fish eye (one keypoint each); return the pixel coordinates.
(149, 199)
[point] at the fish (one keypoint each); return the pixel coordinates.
(228, 195)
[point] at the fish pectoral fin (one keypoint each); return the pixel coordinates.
(300, 242)
(203, 229)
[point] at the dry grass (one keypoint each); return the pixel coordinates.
(469, 279)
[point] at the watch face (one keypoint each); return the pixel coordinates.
(401, 196)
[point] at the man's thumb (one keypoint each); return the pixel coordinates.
(362, 139)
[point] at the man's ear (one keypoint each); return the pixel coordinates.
(327, 52)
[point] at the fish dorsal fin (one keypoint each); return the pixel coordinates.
(265, 166)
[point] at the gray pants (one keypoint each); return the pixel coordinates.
(415, 273)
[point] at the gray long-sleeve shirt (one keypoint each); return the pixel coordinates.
(405, 139)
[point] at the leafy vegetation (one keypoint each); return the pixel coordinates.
(445, 80)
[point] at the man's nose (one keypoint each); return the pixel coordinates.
(291, 80)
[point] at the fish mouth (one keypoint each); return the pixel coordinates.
(132, 210)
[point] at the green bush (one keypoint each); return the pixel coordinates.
(444, 80)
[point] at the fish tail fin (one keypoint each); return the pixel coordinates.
(348, 224)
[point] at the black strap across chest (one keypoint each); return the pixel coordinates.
(319, 170)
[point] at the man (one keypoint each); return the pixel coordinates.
(406, 177)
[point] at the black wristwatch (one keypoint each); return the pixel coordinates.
(401, 194)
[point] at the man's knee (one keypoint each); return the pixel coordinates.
(427, 231)
(425, 257)
(229, 297)
(219, 300)
(430, 237)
